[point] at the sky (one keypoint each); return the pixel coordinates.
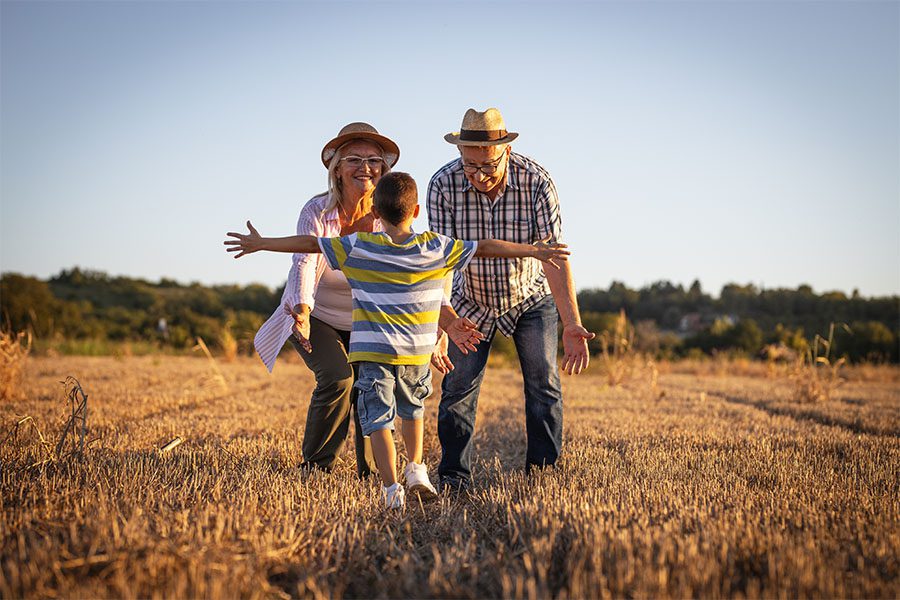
(729, 142)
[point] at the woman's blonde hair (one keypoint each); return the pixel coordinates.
(335, 188)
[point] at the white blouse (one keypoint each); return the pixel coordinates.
(334, 303)
(303, 281)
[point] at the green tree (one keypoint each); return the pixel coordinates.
(866, 340)
(746, 336)
(27, 303)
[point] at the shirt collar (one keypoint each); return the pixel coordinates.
(511, 179)
(331, 215)
(412, 236)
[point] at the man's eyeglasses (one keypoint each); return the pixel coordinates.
(374, 162)
(488, 169)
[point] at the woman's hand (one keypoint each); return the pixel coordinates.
(300, 328)
(245, 244)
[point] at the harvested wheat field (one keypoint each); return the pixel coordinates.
(704, 482)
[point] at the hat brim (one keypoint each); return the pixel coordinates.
(453, 138)
(390, 149)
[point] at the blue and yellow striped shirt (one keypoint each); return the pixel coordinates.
(397, 291)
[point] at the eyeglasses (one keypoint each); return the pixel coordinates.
(374, 162)
(488, 169)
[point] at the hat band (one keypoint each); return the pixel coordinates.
(476, 135)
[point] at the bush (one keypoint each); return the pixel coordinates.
(27, 304)
(744, 336)
(866, 341)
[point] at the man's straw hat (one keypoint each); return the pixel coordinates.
(361, 131)
(482, 129)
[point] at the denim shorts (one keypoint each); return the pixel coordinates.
(388, 390)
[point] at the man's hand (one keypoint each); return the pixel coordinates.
(244, 244)
(464, 334)
(575, 348)
(440, 360)
(300, 328)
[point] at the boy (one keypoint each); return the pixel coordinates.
(397, 284)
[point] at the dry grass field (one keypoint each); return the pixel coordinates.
(709, 481)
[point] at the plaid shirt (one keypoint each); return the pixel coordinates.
(493, 292)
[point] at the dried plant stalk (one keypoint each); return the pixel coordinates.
(816, 375)
(229, 344)
(174, 443)
(77, 422)
(617, 351)
(217, 378)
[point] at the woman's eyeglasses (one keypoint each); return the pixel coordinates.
(374, 162)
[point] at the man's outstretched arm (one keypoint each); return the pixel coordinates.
(575, 336)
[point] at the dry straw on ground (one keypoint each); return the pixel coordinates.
(14, 349)
(724, 486)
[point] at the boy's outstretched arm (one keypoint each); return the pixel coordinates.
(548, 253)
(253, 242)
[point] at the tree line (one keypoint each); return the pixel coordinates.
(663, 318)
(673, 320)
(81, 304)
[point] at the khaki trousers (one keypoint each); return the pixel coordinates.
(333, 400)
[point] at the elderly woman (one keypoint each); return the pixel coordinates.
(316, 305)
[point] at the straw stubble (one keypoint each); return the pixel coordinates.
(722, 486)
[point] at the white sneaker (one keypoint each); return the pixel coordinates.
(394, 496)
(417, 481)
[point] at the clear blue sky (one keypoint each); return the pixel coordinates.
(748, 142)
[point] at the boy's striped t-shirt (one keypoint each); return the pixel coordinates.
(397, 291)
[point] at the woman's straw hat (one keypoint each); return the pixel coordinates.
(361, 131)
(482, 129)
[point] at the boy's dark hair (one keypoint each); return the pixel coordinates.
(396, 197)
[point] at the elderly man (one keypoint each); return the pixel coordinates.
(492, 192)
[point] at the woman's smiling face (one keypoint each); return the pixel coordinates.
(356, 175)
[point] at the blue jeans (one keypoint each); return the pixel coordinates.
(535, 338)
